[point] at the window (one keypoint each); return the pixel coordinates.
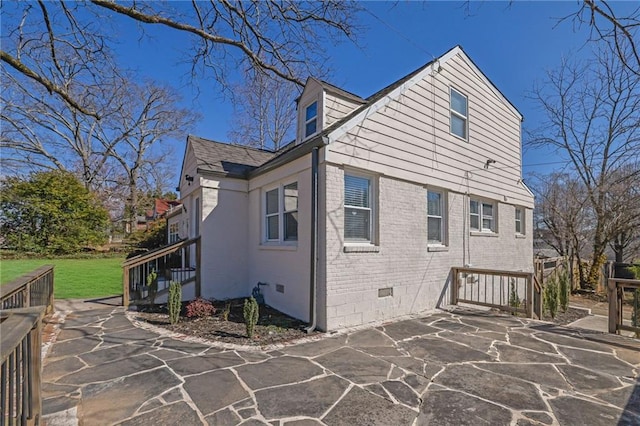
(311, 119)
(481, 216)
(519, 220)
(459, 114)
(357, 209)
(281, 213)
(291, 212)
(174, 232)
(435, 217)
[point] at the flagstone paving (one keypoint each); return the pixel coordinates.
(462, 367)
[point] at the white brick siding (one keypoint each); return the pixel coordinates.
(418, 276)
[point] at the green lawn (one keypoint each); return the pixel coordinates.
(74, 278)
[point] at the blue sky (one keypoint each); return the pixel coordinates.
(513, 43)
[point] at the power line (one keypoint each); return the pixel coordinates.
(400, 34)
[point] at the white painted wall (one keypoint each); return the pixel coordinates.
(285, 264)
(224, 268)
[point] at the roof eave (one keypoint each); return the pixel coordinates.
(293, 154)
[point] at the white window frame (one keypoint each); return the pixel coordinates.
(519, 220)
(371, 209)
(442, 217)
(453, 112)
(280, 213)
(174, 232)
(307, 121)
(482, 216)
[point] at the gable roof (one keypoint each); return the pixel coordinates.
(373, 103)
(225, 159)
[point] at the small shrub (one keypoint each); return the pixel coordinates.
(251, 314)
(563, 290)
(514, 299)
(175, 302)
(551, 297)
(226, 311)
(200, 308)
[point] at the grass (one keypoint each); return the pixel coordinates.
(74, 278)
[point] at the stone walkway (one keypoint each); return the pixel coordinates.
(460, 368)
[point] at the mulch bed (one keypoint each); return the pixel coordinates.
(564, 318)
(273, 326)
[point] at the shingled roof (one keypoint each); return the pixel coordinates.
(228, 160)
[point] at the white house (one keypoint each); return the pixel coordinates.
(363, 216)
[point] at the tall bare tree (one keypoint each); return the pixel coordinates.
(593, 120)
(122, 149)
(623, 203)
(264, 111)
(277, 37)
(618, 30)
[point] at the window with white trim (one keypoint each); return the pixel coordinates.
(519, 220)
(174, 232)
(482, 216)
(281, 213)
(435, 217)
(311, 119)
(459, 114)
(358, 208)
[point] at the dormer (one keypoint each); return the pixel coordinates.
(320, 105)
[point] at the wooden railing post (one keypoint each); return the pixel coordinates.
(198, 267)
(454, 286)
(529, 305)
(613, 306)
(125, 286)
(35, 374)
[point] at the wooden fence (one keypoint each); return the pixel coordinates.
(509, 291)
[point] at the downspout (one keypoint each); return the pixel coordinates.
(313, 274)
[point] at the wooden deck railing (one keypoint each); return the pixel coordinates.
(509, 291)
(20, 379)
(617, 287)
(170, 263)
(32, 289)
(23, 303)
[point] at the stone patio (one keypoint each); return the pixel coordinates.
(463, 367)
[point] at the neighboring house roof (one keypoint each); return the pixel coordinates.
(162, 206)
(228, 160)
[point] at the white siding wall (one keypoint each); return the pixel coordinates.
(418, 276)
(410, 139)
(337, 107)
(286, 265)
(311, 93)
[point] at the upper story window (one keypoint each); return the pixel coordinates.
(311, 119)
(281, 213)
(174, 232)
(435, 217)
(358, 210)
(459, 114)
(519, 220)
(482, 216)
